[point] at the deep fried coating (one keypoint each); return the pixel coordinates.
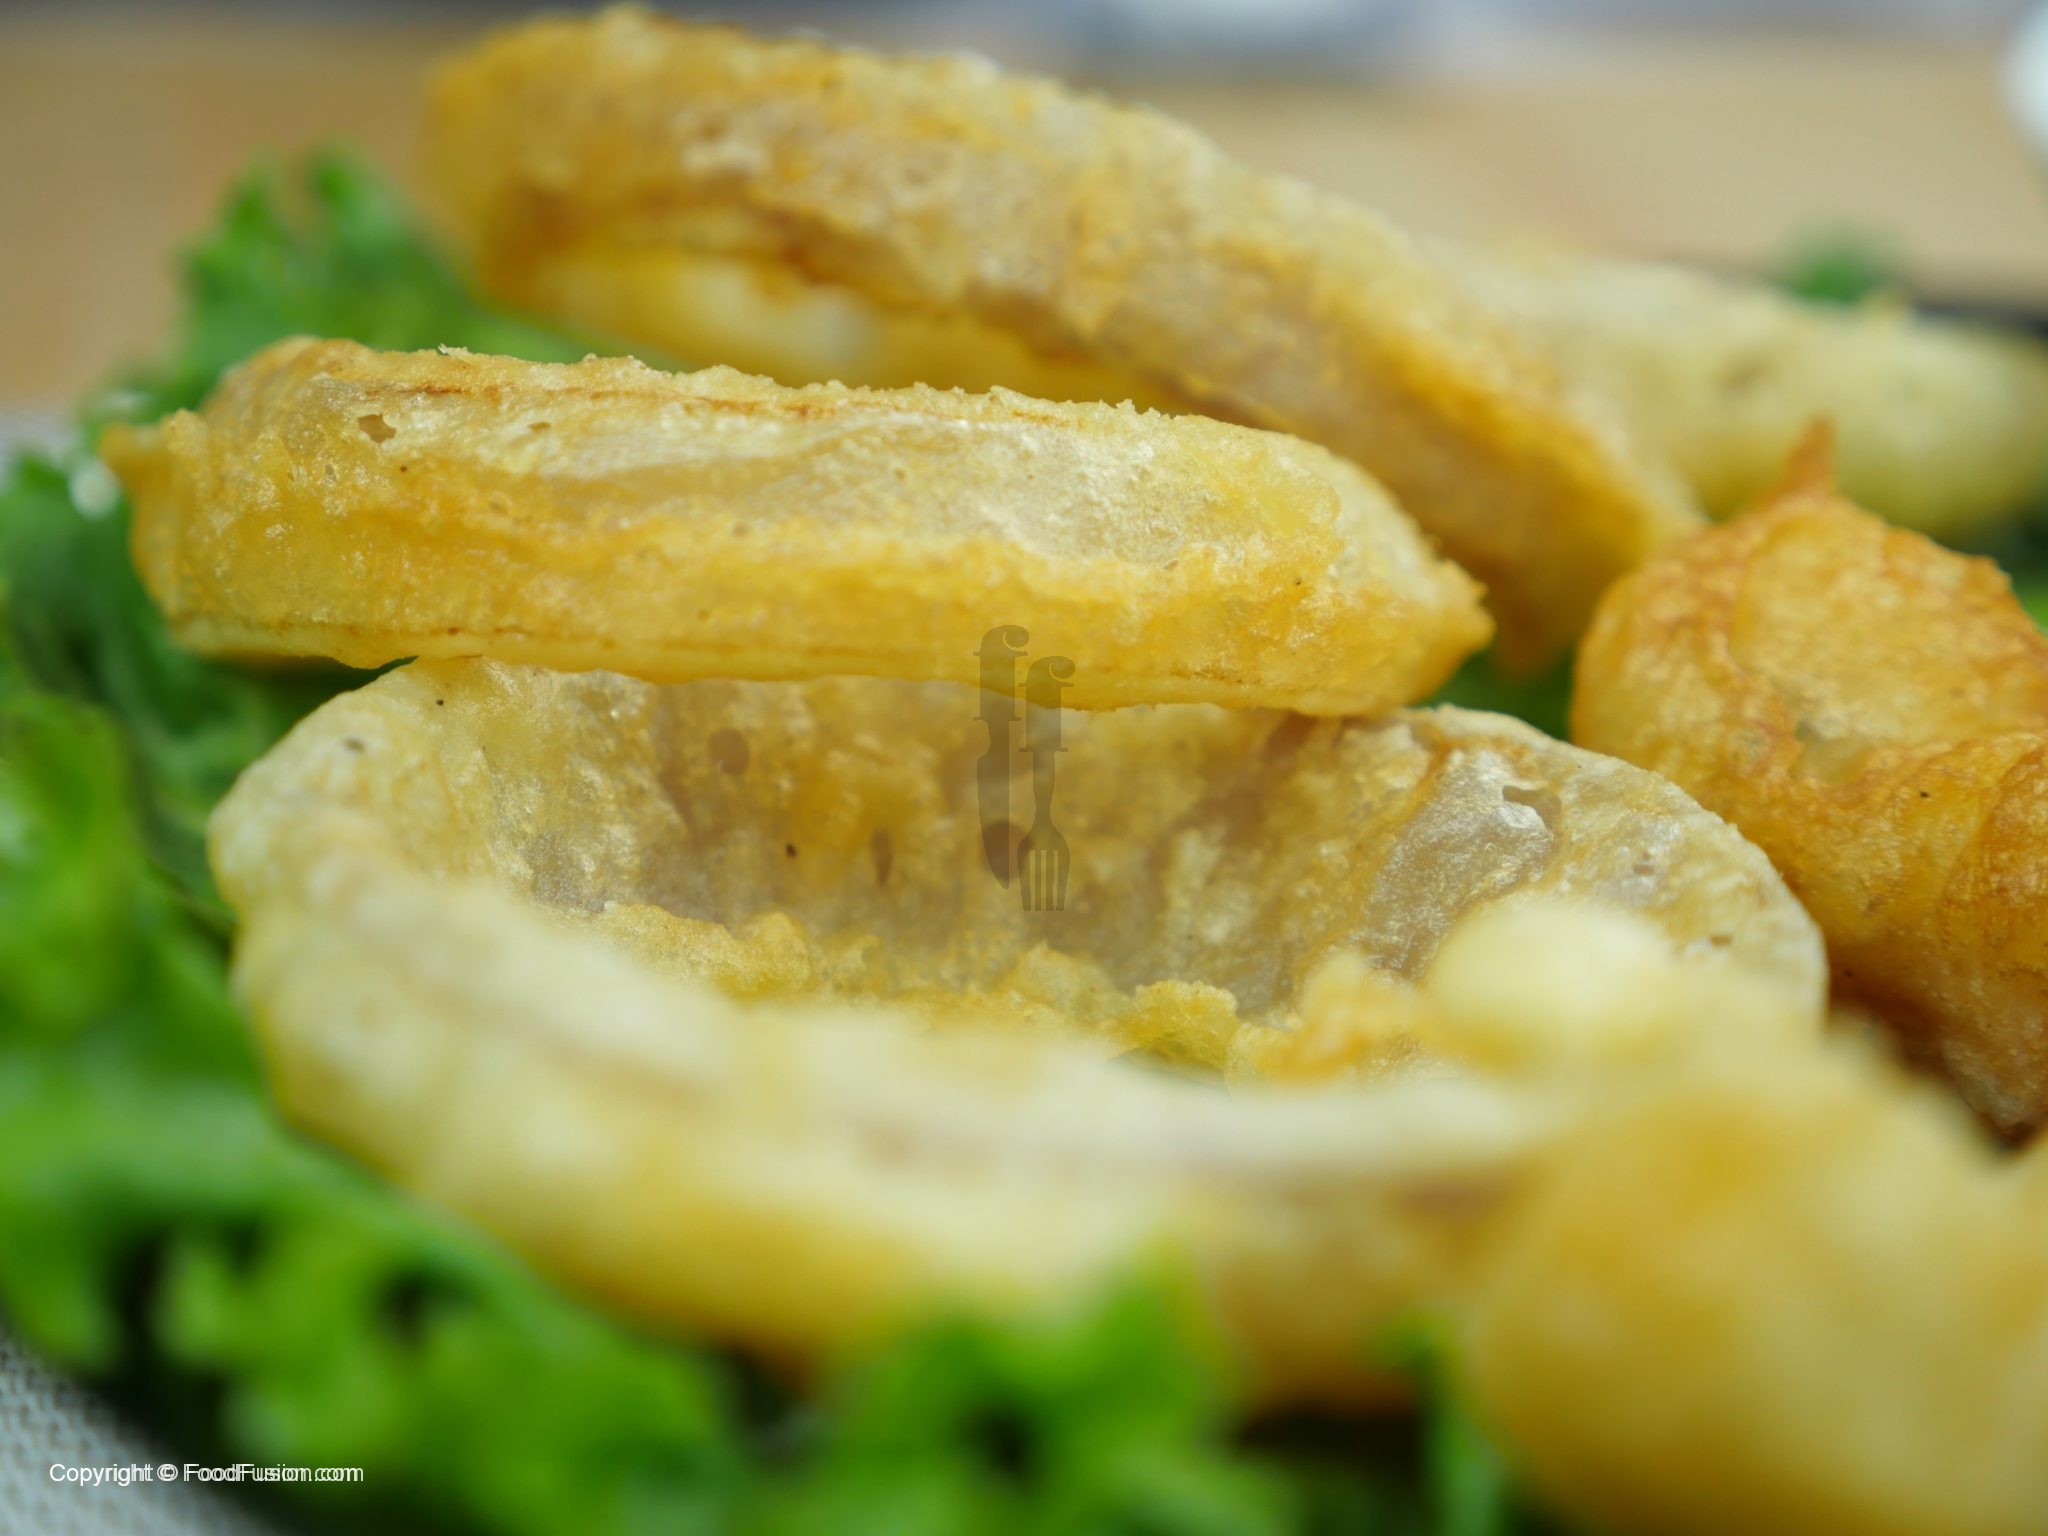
(1940, 426)
(763, 317)
(482, 904)
(369, 506)
(1872, 711)
(1531, 981)
(942, 185)
(1780, 1296)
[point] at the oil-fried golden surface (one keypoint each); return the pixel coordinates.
(1873, 712)
(674, 987)
(1780, 1296)
(700, 303)
(1939, 425)
(335, 501)
(945, 186)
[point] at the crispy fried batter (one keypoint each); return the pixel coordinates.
(1941, 426)
(761, 316)
(482, 904)
(1530, 980)
(1777, 1296)
(942, 185)
(1873, 711)
(367, 506)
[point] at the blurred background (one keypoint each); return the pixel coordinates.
(1723, 131)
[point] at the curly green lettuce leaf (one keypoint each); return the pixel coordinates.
(166, 1234)
(330, 251)
(78, 623)
(98, 951)
(1107, 1423)
(1841, 266)
(1542, 699)
(1470, 1488)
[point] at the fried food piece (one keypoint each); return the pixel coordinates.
(762, 317)
(1940, 426)
(1784, 1296)
(1532, 981)
(369, 506)
(943, 186)
(701, 996)
(1872, 711)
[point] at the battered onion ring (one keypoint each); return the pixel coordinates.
(1940, 426)
(369, 506)
(480, 905)
(943, 186)
(1776, 1295)
(1872, 710)
(765, 317)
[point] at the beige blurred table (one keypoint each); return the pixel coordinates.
(117, 130)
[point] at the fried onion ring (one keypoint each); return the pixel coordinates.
(369, 506)
(649, 979)
(1781, 1295)
(1940, 426)
(943, 186)
(1872, 710)
(758, 316)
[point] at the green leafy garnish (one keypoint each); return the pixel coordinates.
(1471, 1490)
(1542, 699)
(79, 624)
(1099, 1425)
(1840, 267)
(331, 252)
